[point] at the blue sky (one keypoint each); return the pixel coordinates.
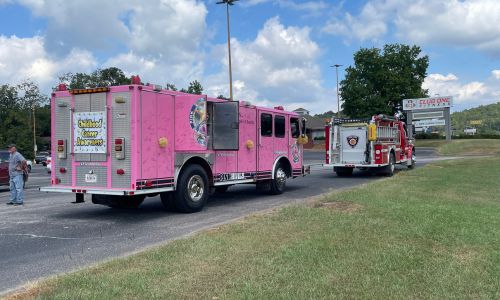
(282, 49)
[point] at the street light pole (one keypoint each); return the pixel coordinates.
(35, 147)
(338, 99)
(228, 3)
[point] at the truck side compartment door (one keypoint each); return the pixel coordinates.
(225, 138)
(225, 122)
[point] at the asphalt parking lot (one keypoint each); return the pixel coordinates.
(50, 235)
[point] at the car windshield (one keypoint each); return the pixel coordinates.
(4, 156)
(43, 154)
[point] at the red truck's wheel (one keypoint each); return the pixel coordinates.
(343, 171)
(413, 160)
(192, 189)
(390, 168)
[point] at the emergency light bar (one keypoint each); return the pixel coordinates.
(89, 91)
(344, 121)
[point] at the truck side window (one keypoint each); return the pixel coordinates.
(266, 125)
(279, 126)
(295, 128)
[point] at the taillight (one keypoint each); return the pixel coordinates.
(62, 170)
(120, 148)
(327, 143)
(61, 149)
(120, 172)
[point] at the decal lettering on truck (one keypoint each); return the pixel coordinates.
(295, 153)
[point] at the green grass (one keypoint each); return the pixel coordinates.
(463, 146)
(433, 232)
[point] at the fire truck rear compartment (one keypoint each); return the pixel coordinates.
(354, 142)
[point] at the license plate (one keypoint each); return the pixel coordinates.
(90, 178)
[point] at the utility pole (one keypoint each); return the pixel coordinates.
(338, 98)
(35, 148)
(228, 3)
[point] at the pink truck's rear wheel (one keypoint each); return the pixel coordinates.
(192, 189)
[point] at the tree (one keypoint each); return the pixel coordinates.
(99, 78)
(171, 87)
(195, 88)
(380, 79)
(326, 115)
(222, 97)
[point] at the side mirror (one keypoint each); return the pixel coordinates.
(304, 126)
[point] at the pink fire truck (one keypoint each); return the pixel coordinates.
(123, 143)
(377, 143)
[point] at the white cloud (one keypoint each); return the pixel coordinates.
(467, 23)
(496, 74)
(370, 24)
(22, 58)
(278, 67)
(466, 94)
(160, 40)
(309, 6)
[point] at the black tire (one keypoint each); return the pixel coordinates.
(121, 202)
(192, 189)
(390, 168)
(128, 202)
(278, 184)
(343, 171)
(413, 159)
(221, 189)
(167, 199)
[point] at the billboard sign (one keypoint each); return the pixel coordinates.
(429, 123)
(427, 103)
(428, 115)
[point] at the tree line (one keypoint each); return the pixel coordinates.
(375, 84)
(18, 104)
(22, 103)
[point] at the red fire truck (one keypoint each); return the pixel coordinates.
(378, 143)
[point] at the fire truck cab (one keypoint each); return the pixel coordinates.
(377, 143)
(123, 143)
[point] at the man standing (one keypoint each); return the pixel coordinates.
(16, 176)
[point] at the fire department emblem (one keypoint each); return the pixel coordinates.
(295, 153)
(352, 140)
(198, 121)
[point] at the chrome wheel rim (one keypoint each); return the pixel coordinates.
(392, 166)
(196, 187)
(280, 176)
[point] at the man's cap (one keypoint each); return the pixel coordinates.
(11, 145)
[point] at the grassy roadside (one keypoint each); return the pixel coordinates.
(429, 233)
(463, 147)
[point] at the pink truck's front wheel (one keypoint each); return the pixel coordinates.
(279, 182)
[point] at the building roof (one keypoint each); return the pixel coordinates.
(315, 123)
